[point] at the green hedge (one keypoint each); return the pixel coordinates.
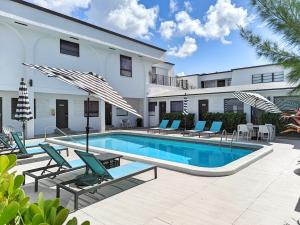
(275, 119)
(230, 120)
(179, 116)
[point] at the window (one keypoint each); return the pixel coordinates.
(121, 112)
(221, 83)
(287, 103)
(125, 66)
(233, 105)
(151, 108)
(93, 109)
(69, 48)
(14, 102)
(176, 106)
(267, 77)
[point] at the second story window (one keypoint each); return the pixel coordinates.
(69, 48)
(267, 77)
(125, 66)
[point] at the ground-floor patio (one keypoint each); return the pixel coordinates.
(264, 193)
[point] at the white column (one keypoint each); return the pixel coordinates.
(102, 115)
(146, 113)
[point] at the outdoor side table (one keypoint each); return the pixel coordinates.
(109, 160)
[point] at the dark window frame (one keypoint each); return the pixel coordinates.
(151, 108)
(241, 110)
(69, 48)
(93, 109)
(121, 112)
(13, 103)
(123, 70)
(172, 106)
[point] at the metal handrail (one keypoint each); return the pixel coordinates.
(224, 134)
(234, 134)
(65, 134)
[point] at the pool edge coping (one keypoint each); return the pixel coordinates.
(228, 169)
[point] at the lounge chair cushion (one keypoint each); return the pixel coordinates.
(128, 169)
(76, 163)
(37, 150)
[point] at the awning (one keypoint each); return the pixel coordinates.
(90, 82)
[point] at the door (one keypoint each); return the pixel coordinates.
(108, 114)
(61, 113)
(202, 108)
(255, 115)
(162, 109)
(0, 114)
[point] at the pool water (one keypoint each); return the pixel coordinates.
(190, 153)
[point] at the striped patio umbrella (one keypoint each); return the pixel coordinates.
(185, 108)
(23, 111)
(257, 101)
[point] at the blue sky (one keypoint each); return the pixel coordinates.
(200, 35)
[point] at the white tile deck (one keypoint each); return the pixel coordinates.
(266, 192)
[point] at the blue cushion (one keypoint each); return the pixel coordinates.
(128, 169)
(76, 163)
(37, 150)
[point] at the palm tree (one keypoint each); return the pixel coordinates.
(283, 17)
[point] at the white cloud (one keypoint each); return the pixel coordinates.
(186, 24)
(173, 6)
(126, 16)
(220, 20)
(167, 28)
(188, 6)
(63, 6)
(188, 48)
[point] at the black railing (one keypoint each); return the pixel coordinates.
(168, 81)
(267, 78)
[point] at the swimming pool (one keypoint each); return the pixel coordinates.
(182, 152)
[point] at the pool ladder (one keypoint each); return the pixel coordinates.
(65, 134)
(225, 135)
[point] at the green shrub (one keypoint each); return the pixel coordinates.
(230, 120)
(15, 207)
(275, 119)
(179, 116)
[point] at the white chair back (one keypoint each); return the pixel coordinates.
(250, 126)
(263, 129)
(243, 128)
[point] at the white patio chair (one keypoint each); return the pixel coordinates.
(125, 123)
(7, 131)
(243, 130)
(271, 130)
(262, 130)
(251, 129)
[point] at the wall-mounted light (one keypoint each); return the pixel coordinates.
(30, 82)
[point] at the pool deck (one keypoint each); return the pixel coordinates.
(266, 192)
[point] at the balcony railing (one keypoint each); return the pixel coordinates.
(168, 81)
(267, 78)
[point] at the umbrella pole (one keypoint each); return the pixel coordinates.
(24, 132)
(88, 124)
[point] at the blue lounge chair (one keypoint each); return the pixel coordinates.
(214, 129)
(175, 126)
(200, 125)
(163, 125)
(8, 147)
(100, 176)
(25, 152)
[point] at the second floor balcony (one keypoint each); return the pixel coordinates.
(168, 81)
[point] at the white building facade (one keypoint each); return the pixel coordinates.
(213, 92)
(34, 35)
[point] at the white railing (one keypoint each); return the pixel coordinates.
(65, 134)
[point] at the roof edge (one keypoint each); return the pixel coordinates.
(34, 6)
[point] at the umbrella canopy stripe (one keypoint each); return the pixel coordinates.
(257, 101)
(185, 105)
(92, 83)
(23, 111)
